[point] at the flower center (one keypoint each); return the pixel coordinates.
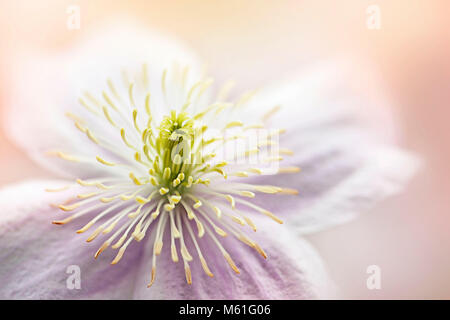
(172, 165)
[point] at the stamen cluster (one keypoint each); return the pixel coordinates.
(166, 174)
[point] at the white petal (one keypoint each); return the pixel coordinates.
(45, 87)
(36, 256)
(348, 163)
(327, 200)
(325, 96)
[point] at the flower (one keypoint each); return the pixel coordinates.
(151, 157)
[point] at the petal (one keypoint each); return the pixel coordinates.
(325, 97)
(293, 270)
(45, 87)
(336, 188)
(36, 256)
(347, 164)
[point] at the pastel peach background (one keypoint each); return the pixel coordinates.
(407, 236)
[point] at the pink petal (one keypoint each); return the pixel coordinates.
(44, 88)
(329, 96)
(347, 163)
(336, 188)
(293, 270)
(35, 255)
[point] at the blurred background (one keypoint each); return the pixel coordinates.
(407, 236)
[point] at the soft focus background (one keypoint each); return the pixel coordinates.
(407, 236)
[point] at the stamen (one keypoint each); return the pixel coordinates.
(163, 83)
(286, 151)
(223, 251)
(289, 170)
(174, 230)
(147, 105)
(213, 207)
(191, 215)
(199, 252)
(153, 273)
(139, 233)
(135, 121)
(67, 157)
(184, 251)
(92, 99)
(270, 113)
(119, 243)
(108, 117)
(134, 179)
(130, 95)
(108, 242)
(263, 211)
(74, 117)
(158, 207)
(57, 189)
(89, 108)
(159, 235)
(124, 139)
(109, 101)
(218, 230)
(245, 98)
(188, 272)
(223, 92)
(234, 124)
(113, 89)
(172, 238)
(106, 163)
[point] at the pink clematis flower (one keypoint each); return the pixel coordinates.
(151, 168)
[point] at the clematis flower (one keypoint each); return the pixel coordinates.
(183, 186)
